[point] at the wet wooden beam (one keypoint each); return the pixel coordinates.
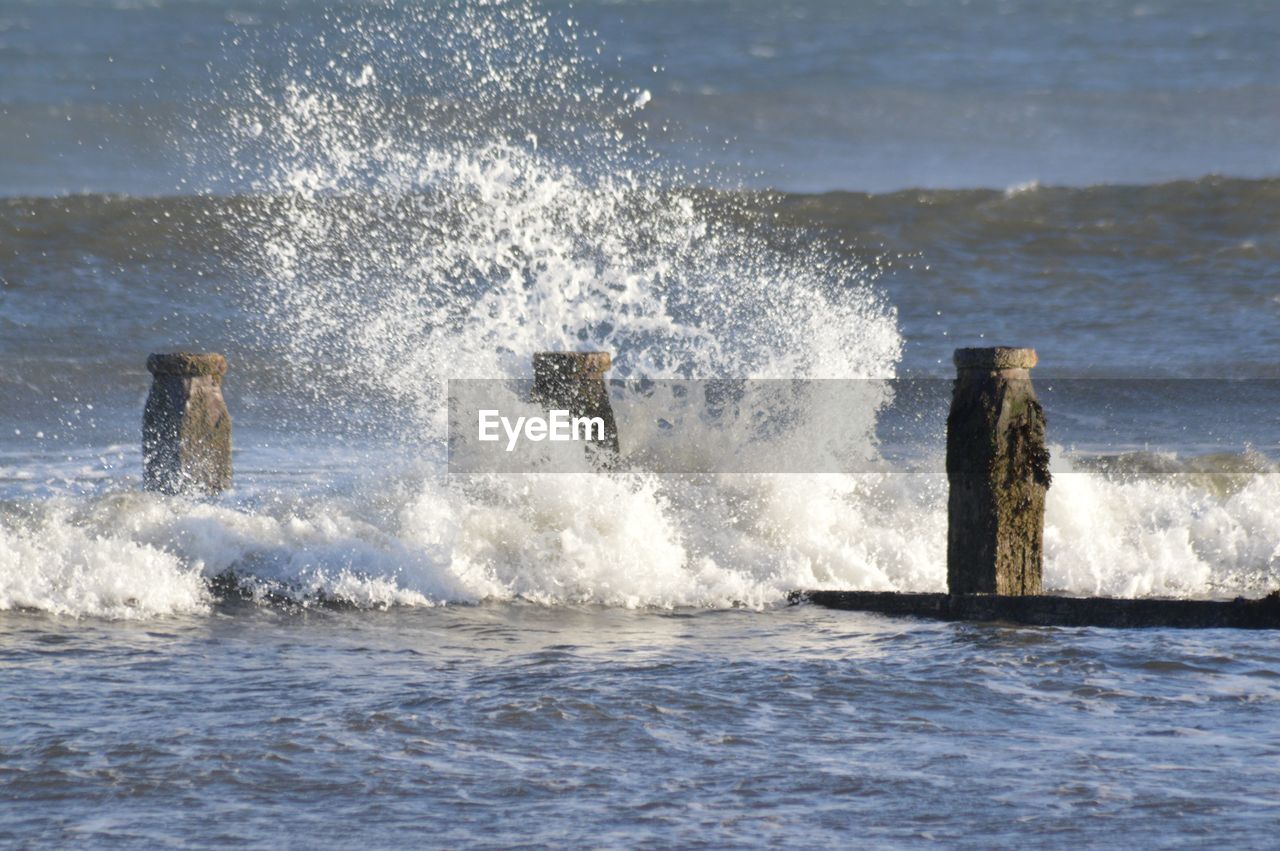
(1039, 610)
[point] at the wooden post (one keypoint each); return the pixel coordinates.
(574, 382)
(998, 472)
(186, 430)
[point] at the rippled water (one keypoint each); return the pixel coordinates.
(809, 95)
(358, 202)
(506, 725)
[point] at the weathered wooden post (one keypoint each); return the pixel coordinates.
(186, 429)
(998, 472)
(574, 382)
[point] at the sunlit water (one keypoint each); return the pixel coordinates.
(358, 204)
(514, 725)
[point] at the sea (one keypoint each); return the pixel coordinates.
(359, 203)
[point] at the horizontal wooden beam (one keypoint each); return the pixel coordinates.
(1239, 613)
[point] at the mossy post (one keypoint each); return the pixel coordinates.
(998, 472)
(186, 429)
(574, 382)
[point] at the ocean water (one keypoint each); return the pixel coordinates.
(359, 202)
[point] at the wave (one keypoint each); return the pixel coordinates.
(630, 541)
(99, 221)
(389, 246)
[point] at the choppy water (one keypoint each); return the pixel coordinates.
(359, 202)
(814, 95)
(525, 725)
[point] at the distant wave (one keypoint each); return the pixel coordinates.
(122, 226)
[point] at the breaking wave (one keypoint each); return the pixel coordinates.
(399, 242)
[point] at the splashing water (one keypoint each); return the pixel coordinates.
(411, 251)
(441, 193)
(406, 247)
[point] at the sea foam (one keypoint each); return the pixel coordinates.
(406, 243)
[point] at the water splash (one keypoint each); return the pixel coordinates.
(412, 237)
(405, 248)
(443, 192)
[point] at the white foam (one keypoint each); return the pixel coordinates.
(624, 540)
(1021, 188)
(59, 564)
(1161, 535)
(458, 251)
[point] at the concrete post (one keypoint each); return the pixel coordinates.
(186, 430)
(998, 472)
(574, 382)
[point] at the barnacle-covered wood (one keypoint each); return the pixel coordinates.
(998, 473)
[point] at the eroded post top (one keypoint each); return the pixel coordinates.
(572, 364)
(995, 358)
(187, 364)
(574, 381)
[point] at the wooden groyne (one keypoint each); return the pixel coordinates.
(574, 382)
(997, 475)
(997, 472)
(1043, 610)
(186, 429)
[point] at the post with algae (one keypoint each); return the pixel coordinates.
(998, 472)
(186, 429)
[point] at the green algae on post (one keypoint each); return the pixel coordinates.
(998, 472)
